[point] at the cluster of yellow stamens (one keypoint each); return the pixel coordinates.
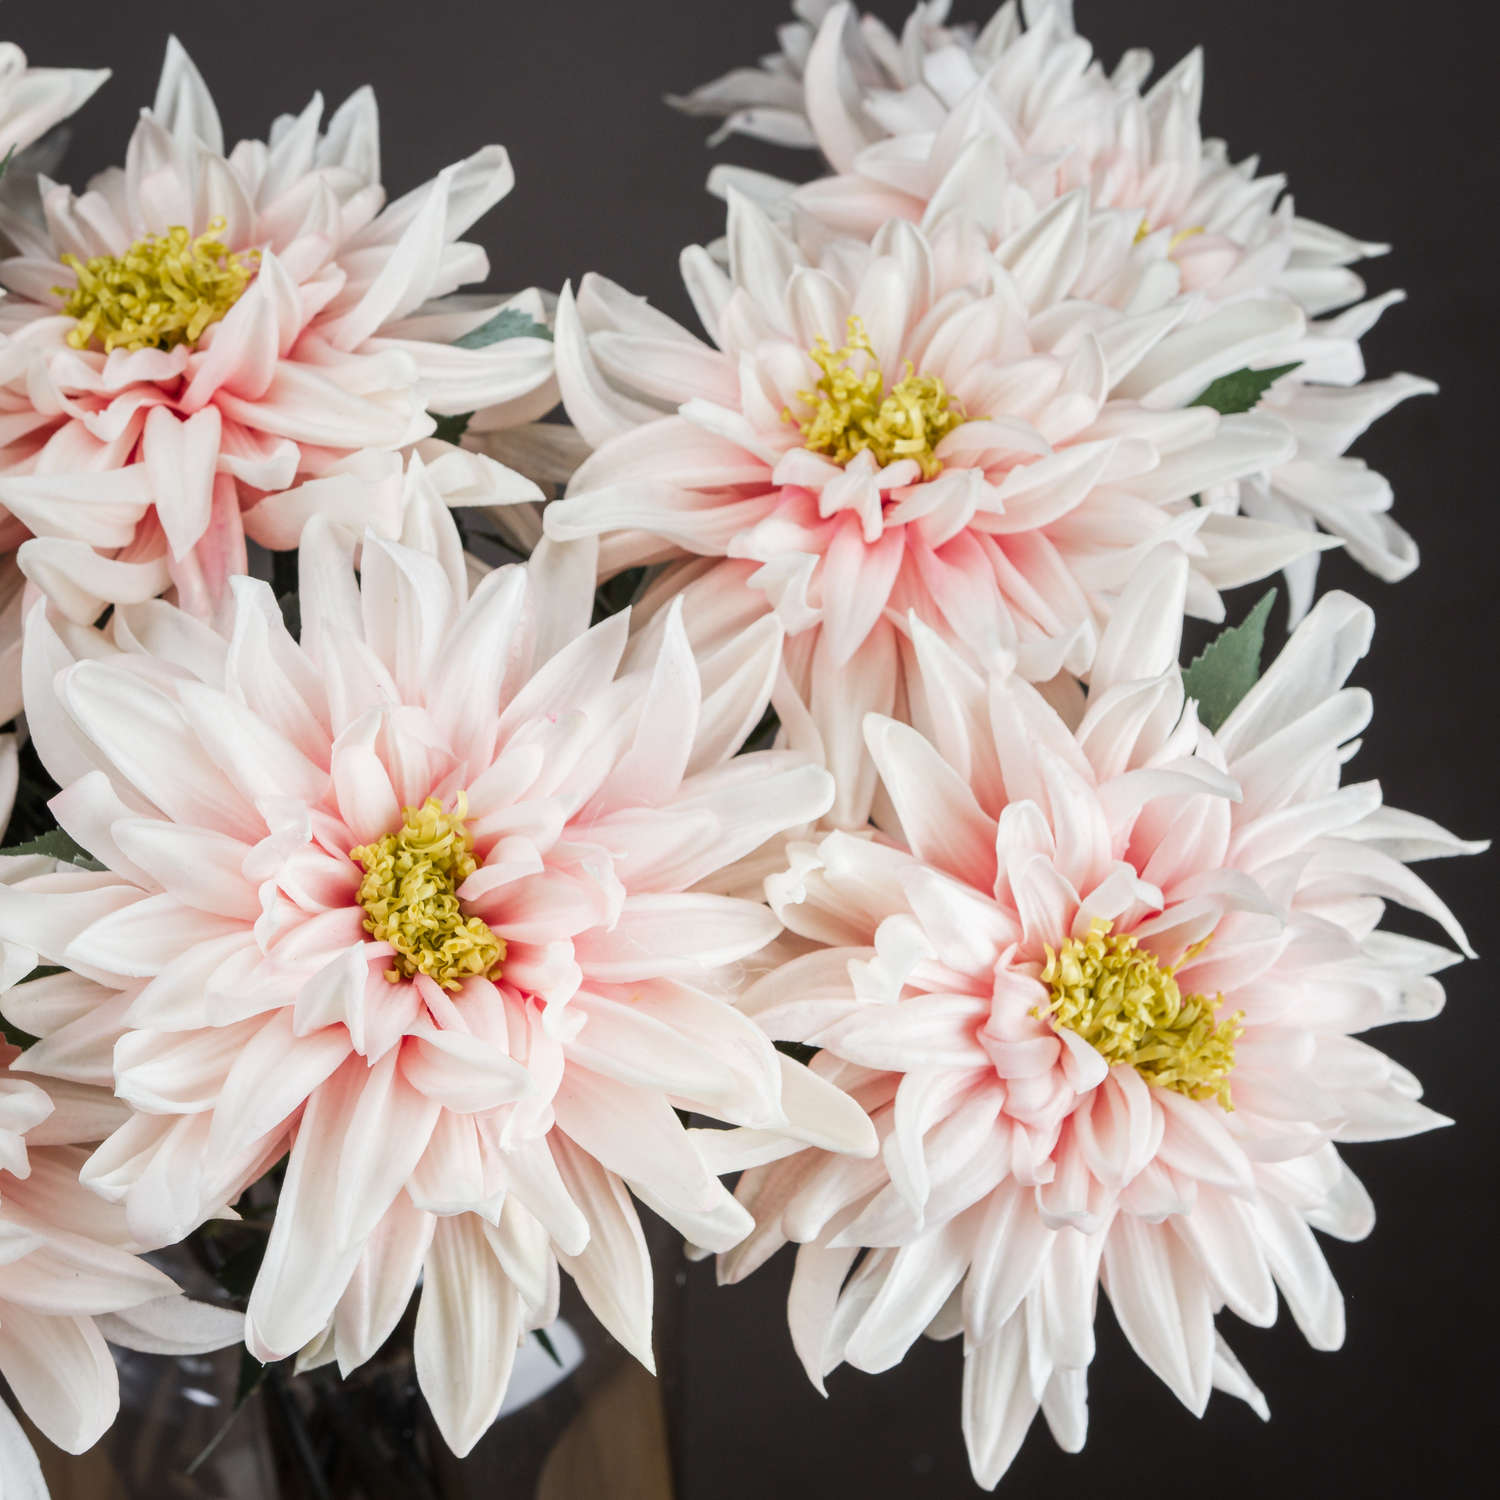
(852, 411)
(1126, 1005)
(164, 291)
(410, 896)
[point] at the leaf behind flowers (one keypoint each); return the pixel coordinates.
(55, 844)
(1229, 666)
(508, 323)
(1230, 395)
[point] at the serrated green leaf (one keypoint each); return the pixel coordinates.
(1229, 666)
(55, 844)
(508, 323)
(1230, 395)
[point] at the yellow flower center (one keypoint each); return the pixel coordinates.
(853, 413)
(164, 291)
(1127, 1006)
(410, 896)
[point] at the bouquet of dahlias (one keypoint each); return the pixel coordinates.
(481, 766)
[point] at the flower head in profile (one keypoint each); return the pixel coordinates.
(198, 332)
(1004, 122)
(419, 899)
(71, 1278)
(917, 424)
(1098, 978)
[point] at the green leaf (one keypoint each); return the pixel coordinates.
(1229, 666)
(56, 844)
(1240, 392)
(451, 429)
(508, 323)
(35, 789)
(545, 1341)
(5, 165)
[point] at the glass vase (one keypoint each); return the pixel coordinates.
(582, 1421)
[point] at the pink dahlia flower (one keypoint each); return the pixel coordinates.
(918, 424)
(197, 332)
(1097, 979)
(1006, 122)
(419, 900)
(71, 1277)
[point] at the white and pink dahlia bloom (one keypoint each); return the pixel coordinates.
(1098, 977)
(918, 424)
(198, 332)
(71, 1278)
(1006, 121)
(420, 900)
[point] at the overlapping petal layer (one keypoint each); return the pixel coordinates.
(1002, 123)
(1067, 448)
(144, 467)
(1227, 875)
(227, 974)
(70, 1277)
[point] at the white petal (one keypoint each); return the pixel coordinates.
(468, 1325)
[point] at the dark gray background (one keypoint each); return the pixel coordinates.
(1384, 117)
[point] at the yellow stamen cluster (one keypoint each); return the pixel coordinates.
(409, 893)
(164, 291)
(852, 412)
(1122, 1001)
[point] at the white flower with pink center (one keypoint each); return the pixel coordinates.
(420, 900)
(71, 1278)
(198, 332)
(1003, 123)
(917, 424)
(1098, 978)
